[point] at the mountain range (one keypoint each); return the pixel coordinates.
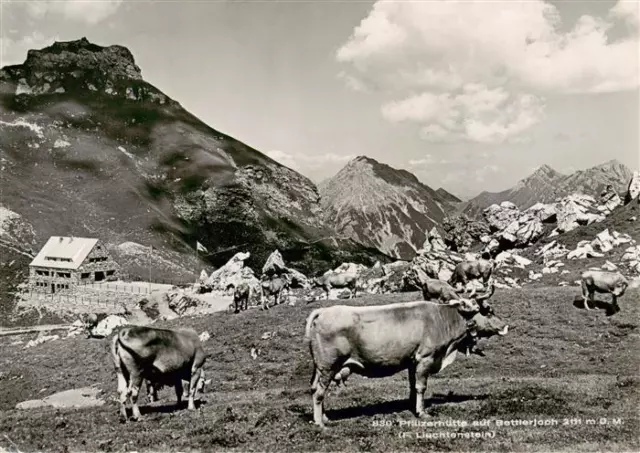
(89, 149)
(545, 185)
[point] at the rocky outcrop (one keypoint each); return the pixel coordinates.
(461, 232)
(546, 213)
(609, 200)
(633, 191)
(511, 228)
(232, 274)
(575, 210)
(275, 266)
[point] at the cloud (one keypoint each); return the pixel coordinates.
(14, 51)
(89, 11)
(480, 71)
(300, 161)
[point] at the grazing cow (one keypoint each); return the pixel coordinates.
(241, 296)
(159, 356)
(381, 340)
(333, 280)
(603, 282)
(470, 270)
(272, 287)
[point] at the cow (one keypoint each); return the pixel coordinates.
(381, 340)
(241, 296)
(272, 287)
(337, 280)
(470, 270)
(159, 356)
(603, 282)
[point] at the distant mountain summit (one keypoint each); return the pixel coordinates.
(545, 185)
(383, 207)
(89, 149)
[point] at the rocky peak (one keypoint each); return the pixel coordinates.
(82, 55)
(545, 172)
(78, 67)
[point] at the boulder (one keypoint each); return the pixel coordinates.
(349, 268)
(108, 325)
(500, 216)
(603, 241)
(583, 250)
(203, 277)
(461, 232)
(545, 213)
(609, 266)
(609, 200)
(512, 259)
(552, 250)
(226, 276)
(575, 210)
(631, 254)
(633, 191)
(274, 264)
(182, 303)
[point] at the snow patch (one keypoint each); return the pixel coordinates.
(22, 123)
(125, 152)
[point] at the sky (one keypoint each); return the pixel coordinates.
(468, 95)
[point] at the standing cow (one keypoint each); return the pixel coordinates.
(382, 340)
(273, 287)
(241, 296)
(471, 270)
(337, 280)
(159, 356)
(603, 282)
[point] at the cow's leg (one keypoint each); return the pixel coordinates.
(263, 299)
(314, 379)
(123, 392)
(193, 387)
(412, 387)
(585, 295)
(421, 385)
(152, 392)
(614, 300)
(135, 381)
(323, 381)
(235, 305)
(177, 385)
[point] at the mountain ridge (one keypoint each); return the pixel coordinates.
(545, 185)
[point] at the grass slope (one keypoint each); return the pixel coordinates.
(559, 362)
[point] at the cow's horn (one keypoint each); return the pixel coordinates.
(488, 294)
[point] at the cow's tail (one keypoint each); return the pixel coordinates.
(310, 320)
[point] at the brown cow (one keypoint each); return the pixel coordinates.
(241, 296)
(382, 340)
(471, 270)
(159, 356)
(273, 287)
(337, 280)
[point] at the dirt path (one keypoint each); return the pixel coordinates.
(32, 329)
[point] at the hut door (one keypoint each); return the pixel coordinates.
(53, 288)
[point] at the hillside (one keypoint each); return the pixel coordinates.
(88, 148)
(545, 185)
(557, 362)
(383, 207)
